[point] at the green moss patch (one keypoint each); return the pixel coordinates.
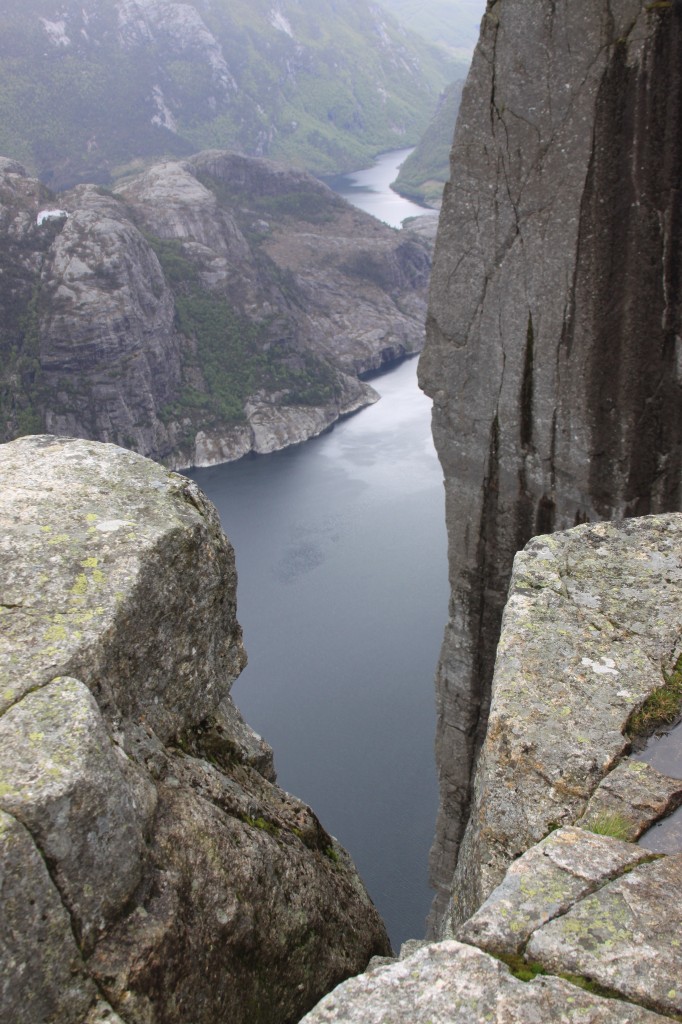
(662, 707)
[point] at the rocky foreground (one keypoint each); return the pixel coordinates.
(151, 872)
(205, 309)
(552, 917)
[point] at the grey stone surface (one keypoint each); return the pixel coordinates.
(60, 777)
(43, 977)
(451, 983)
(92, 538)
(554, 305)
(543, 884)
(145, 825)
(634, 795)
(626, 937)
(591, 624)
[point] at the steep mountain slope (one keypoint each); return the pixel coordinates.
(553, 338)
(427, 168)
(87, 86)
(206, 309)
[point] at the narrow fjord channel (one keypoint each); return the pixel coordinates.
(341, 554)
(342, 594)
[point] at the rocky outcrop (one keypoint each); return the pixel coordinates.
(592, 625)
(550, 921)
(151, 869)
(554, 331)
(208, 308)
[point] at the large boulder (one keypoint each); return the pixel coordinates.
(149, 865)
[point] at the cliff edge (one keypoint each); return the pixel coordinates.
(557, 913)
(553, 336)
(150, 869)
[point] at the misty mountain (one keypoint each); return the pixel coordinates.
(453, 23)
(89, 87)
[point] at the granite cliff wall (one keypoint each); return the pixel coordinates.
(553, 338)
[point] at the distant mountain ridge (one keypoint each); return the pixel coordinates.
(427, 168)
(89, 86)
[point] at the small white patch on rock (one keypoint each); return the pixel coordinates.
(46, 215)
(109, 525)
(56, 31)
(163, 116)
(277, 20)
(603, 667)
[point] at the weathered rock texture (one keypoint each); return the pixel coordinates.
(149, 866)
(209, 308)
(553, 339)
(593, 621)
(577, 916)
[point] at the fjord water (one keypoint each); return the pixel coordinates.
(370, 190)
(342, 595)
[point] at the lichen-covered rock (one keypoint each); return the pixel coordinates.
(591, 625)
(451, 983)
(43, 976)
(625, 937)
(171, 879)
(60, 777)
(543, 884)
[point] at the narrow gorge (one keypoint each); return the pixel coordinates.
(554, 360)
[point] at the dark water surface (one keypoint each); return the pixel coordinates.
(664, 752)
(370, 190)
(341, 555)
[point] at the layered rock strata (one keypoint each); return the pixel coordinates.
(553, 337)
(550, 921)
(151, 870)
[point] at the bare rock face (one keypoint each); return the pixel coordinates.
(152, 872)
(210, 307)
(554, 333)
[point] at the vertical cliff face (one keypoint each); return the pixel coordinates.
(554, 341)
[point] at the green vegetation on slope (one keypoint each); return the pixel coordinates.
(87, 89)
(427, 168)
(229, 361)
